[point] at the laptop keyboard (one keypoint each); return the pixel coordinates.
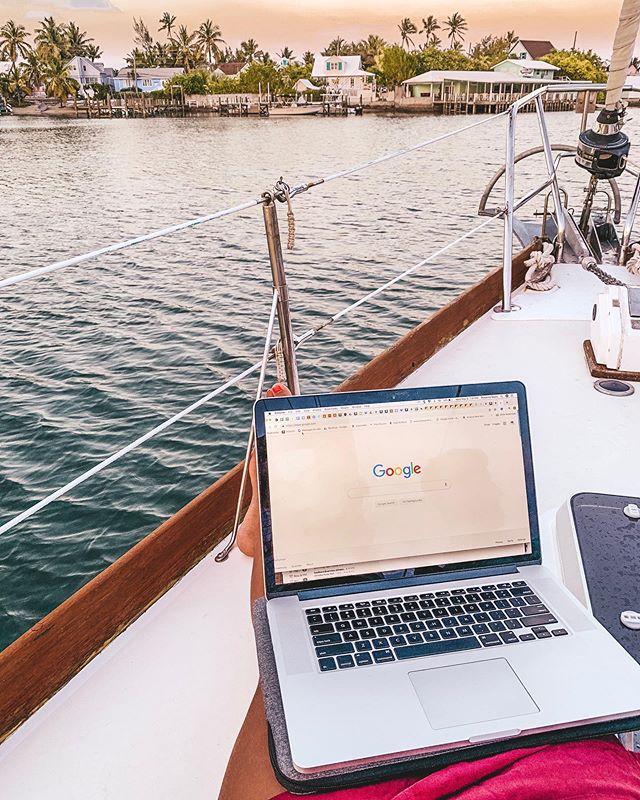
(367, 632)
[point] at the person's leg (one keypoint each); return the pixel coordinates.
(249, 774)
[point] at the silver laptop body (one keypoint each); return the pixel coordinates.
(408, 604)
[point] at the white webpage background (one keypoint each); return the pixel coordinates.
(331, 515)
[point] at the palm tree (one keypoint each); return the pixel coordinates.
(308, 58)
(456, 25)
(58, 82)
(370, 48)
(33, 69)
(510, 39)
(13, 42)
(186, 50)
(209, 37)
(77, 41)
(93, 52)
(51, 39)
(429, 27)
(249, 51)
(407, 28)
(287, 53)
(335, 47)
(167, 22)
(18, 84)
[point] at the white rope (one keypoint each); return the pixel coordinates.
(309, 333)
(29, 512)
(114, 248)
(224, 553)
(623, 49)
(405, 150)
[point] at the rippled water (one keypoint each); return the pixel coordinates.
(96, 355)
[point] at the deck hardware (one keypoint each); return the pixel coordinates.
(631, 620)
(614, 387)
(632, 511)
(274, 244)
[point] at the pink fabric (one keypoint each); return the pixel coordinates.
(601, 768)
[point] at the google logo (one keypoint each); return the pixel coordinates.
(380, 471)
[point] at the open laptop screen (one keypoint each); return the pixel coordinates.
(395, 487)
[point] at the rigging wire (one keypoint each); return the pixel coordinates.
(300, 340)
(181, 226)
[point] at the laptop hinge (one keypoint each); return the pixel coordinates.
(418, 580)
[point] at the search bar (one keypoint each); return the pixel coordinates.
(420, 487)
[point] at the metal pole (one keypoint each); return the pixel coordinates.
(628, 224)
(280, 285)
(585, 112)
(548, 157)
(509, 190)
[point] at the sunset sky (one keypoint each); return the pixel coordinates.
(310, 24)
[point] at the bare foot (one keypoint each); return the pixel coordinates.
(249, 530)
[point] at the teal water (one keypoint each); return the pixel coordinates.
(95, 355)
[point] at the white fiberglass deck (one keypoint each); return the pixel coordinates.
(156, 714)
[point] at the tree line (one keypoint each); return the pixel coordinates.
(42, 59)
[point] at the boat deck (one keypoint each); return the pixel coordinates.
(155, 714)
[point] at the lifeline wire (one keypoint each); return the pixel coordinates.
(181, 226)
(224, 553)
(308, 334)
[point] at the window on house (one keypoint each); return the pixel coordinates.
(328, 65)
(340, 65)
(523, 55)
(353, 82)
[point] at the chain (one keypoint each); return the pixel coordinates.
(590, 265)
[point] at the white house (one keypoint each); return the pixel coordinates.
(344, 75)
(531, 49)
(89, 72)
(474, 87)
(146, 79)
(527, 68)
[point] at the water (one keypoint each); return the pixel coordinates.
(96, 355)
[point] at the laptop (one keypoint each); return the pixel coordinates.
(408, 603)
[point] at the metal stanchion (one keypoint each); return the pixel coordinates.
(274, 244)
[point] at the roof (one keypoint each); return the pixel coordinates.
(351, 67)
(474, 76)
(81, 61)
(536, 47)
(231, 67)
(303, 83)
(527, 64)
(151, 72)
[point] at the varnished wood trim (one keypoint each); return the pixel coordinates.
(47, 656)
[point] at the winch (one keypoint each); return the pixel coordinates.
(604, 149)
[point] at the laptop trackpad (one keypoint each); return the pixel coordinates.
(467, 693)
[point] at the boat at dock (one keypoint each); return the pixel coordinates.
(137, 685)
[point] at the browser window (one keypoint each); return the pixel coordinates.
(388, 487)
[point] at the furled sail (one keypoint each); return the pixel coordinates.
(623, 49)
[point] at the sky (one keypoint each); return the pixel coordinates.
(311, 24)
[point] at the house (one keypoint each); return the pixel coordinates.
(531, 49)
(146, 79)
(230, 69)
(87, 72)
(476, 90)
(527, 68)
(344, 75)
